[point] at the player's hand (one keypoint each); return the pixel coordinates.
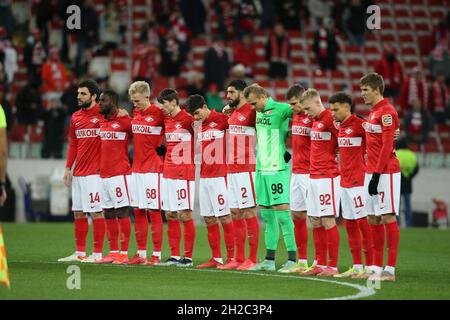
(227, 110)
(373, 184)
(287, 157)
(3, 195)
(396, 134)
(122, 113)
(67, 179)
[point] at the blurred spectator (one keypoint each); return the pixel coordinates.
(354, 22)
(54, 75)
(8, 57)
(87, 37)
(109, 26)
(409, 167)
(237, 72)
(226, 12)
(291, 13)
(194, 13)
(325, 46)
(172, 56)
(244, 52)
(269, 9)
(389, 67)
(6, 17)
(216, 64)
(146, 60)
(162, 10)
(195, 84)
(440, 99)
(414, 91)
(177, 26)
(277, 53)
(69, 97)
(213, 99)
(417, 124)
(440, 32)
(318, 10)
(150, 32)
(249, 13)
(54, 123)
(34, 55)
(28, 103)
(43, 10)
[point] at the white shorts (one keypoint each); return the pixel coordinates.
(353, 202)
(323, 197)
(387, 200)
(241, 190)
(177, 194)
(145, 190)
(86, 193)
(214, 197)
(299, 191)
(115, 192)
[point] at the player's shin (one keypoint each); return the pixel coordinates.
(320, 245)
(125, 232)
(287, 228)
(239, 238)
(99, 234)
(333, 240)
(392, 234)
(301, 238)
(112, 231)
(157, 231)
(367, 240)
(354, 241)
(214, 240)
(378, 234)
(174, 236)
(272, 232)
(189, 238)
(141, 231)
(253, 237)
(81, 231)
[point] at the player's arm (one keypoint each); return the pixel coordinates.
(71, 153)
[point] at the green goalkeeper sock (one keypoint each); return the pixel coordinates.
(272, 232)
(287, 227)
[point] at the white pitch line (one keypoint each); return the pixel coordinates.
(364, 292)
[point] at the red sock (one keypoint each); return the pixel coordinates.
(354, 240)
(81, 231)
(367, 240)
(228, 234)
(393, 237)
(333, 246)
(253, 237)
(141, 228)
(189, 238)
(125, 233)
(99, 234)
(174, 235)
(214, 240)
(239, 238)
(112, 231)
(157, 230)
(301, 238)
(378, 244)
(320, 245)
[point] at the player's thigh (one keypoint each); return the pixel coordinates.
(324, 197)
(77, 204)
(370, 202)
(91, 193)
(278, 184)
(218, 196)
(262, 192)
(184, 194)
(117, 191)
(388, 194)
(352, 203)
(206, 206)
(298, 192)
(149, 191)
(241, 190)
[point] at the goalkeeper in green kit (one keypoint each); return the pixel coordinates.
(272, 175)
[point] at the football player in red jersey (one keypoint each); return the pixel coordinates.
(214, 201)
(383, 169)
(178, 183)
(301, 149)
(145, 186)
(115, 133)
(84, 151)
(352, 150)
(324, 190)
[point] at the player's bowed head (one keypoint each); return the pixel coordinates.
(256, 96)
(311, 103)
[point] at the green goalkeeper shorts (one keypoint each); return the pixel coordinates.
(272, 187)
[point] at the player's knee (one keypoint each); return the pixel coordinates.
(373, 220)
(315, 221)
(389, 218)
(299, 215)
(98, 215)
(210, 221)
(123, 213)
(110, 214)
(225, 219)
(328, 222)
(249, 213)
(237, 214)
(185, 216)
(171, 215)
(79, 214)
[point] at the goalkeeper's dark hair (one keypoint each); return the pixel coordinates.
(195, 102)
(342, 97)
(238, 84)
(91, 85)
(113, 95)
(295, 91)
(169, 94)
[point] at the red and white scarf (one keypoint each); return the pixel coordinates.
(416, 93)
(440, 96)
(276, 56)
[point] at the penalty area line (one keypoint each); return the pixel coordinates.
(363, 291)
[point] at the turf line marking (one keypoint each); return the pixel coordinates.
(364, 292)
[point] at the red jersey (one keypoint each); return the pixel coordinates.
(115, 137)
(84, 145)
(380, 129)
(148, 134)
(179, 160)
(323, 158)
(212, 138)
(301, 143)
(242, 140)
(352, 147)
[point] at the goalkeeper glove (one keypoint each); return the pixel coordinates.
(287, 157)
(161, 150)
(373, 184)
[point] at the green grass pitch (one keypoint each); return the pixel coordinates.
(423, 271)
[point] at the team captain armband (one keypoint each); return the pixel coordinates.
(386, 120)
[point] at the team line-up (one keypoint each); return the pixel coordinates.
(244, 164)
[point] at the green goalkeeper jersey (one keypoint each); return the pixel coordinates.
(272, 125)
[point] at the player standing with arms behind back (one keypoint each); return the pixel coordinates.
(383, 168)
